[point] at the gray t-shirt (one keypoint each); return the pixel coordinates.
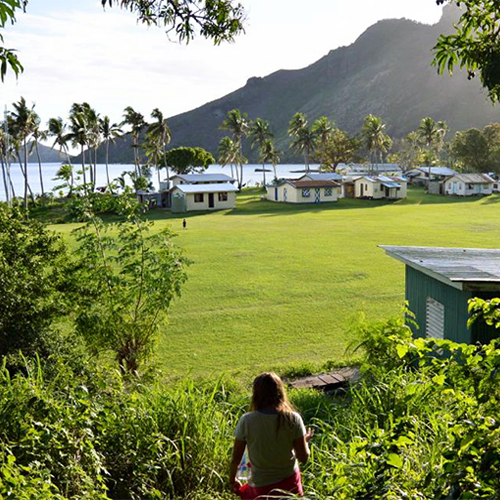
(270, 451)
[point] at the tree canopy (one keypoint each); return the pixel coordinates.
(216, 20)
(185, 160)
(474, 46)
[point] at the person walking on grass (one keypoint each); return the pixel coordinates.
(276, 438)
(184, 224)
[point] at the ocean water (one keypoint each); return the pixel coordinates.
(250, 176)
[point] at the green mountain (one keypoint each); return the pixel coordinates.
(47, 154)
(387, 71)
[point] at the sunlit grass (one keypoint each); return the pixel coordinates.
(273, 284)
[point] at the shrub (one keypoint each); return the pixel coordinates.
(33, 279)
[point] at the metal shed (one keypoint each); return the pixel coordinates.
(439, 284)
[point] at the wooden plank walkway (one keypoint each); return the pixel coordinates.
(328, 381)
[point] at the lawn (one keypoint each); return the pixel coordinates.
(274, 284)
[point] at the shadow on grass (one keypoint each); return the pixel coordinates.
(249, 202)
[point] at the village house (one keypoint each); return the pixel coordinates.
(198, 179)
(429, 177)
(468, 185)
(353, 169)
(166, 187)
(213, 196)
(379, 187)
(439, 284)
(304, 191)
(326, 176)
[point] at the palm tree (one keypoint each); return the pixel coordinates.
(79, 136)
(269, 154)
(93, 140)
(323, 128)
(304, 139)
(110, 131)
(297, 123)
(260, 132)
(24, 119)
(136, 122)
(431, 135)
(39, 135)
(3, 163)
(228, 153)
(57, 129)
(159, 135)
(238, 124)
(376, 140)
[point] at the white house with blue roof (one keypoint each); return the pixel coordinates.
(380, 187)
(197, 197)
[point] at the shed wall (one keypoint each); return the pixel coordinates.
(419, 286)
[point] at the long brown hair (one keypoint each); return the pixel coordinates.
(269, 393)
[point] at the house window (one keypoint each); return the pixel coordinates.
(366, 187)
(222, 196)
(306, 193)
(434, 315)
(328, 192)
(198, 198)
(470, 186)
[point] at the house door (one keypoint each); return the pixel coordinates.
(275, 194)
(211, 200)
(317, 198)
(362, 190)
(455, 187)
(285, 195)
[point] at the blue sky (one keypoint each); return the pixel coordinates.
(73, 51)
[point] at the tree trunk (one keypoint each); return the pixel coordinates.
(264, 175)
(40, 169)
(241, 175)
(72, 182)
(26, 177)
(306, 161)
(275, 176)
(6, 185)
(95, 167)
(107, 165)
(83, 168)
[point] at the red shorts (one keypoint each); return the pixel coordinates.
(292, 484)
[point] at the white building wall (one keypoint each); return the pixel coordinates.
(192, 205)
(459, 188)
(289, 194)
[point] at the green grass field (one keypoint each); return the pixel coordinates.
(274, 284)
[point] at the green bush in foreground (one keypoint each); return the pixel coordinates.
(422, 423)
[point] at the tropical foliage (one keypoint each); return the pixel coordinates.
(474, 44)
(188, 160)
(376, 141)
(239, 125)
(219, 21)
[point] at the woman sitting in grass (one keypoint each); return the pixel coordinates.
(275, 436)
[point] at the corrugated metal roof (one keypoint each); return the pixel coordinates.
(391, 185)
(375, 168)
(459, 265)
(444, 171)
(382, 179)
(474, 178)
(205, 188)
(323, 176)
(204, 178)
